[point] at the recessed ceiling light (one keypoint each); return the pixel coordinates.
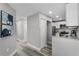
(50, 12)
(57, 16)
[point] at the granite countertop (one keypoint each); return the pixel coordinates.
(67, 37)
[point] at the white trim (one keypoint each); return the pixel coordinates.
(13, 53)
(34, 47)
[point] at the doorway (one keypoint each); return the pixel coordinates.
(49, 35)
(47, 40)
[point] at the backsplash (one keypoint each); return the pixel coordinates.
(67, 32)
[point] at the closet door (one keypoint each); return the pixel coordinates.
(20, 30)
(43, 32)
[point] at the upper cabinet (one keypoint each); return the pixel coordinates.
(72, 14)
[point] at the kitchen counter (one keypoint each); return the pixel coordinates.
(69, 37)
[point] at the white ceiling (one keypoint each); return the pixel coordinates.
(26, 9)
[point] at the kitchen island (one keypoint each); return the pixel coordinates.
(62, 46)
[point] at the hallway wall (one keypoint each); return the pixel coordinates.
(33, 30)
(8, 44)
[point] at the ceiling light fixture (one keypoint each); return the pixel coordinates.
(57, 16)
(50, 12)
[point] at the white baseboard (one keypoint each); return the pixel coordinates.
(13, 53)
(34, 47)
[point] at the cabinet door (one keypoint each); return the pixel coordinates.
(43, 32)
(72, 14)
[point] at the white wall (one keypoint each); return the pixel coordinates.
(25, 30)
(43, 33)
(37, 30)
(8, 44)
(33, 30)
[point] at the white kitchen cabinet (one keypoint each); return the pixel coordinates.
(65, 46)
(72, 14)
(37, 30)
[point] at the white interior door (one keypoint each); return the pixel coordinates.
(20, 30)
(43, 30)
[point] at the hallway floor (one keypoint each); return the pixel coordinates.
(27, 51)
